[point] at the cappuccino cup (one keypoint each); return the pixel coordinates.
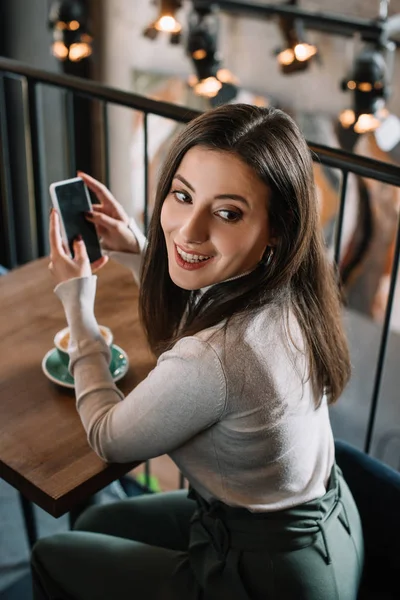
(61, 341)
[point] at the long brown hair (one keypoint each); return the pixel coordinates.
(299, 276)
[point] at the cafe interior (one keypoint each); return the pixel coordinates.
(104, 86)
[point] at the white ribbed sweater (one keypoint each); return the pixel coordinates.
(235, 412)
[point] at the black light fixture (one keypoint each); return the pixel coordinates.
(298, 52)
(71, 40)
(166, 21)
(369, 83)
(211, 80)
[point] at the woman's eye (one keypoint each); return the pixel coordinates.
(229, 215)
(181, 196)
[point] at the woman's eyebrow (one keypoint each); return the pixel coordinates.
(219, 197)
(184, 181)
(233, 197)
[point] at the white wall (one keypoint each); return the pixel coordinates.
(247, 47)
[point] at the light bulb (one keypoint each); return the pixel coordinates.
(168, 24)
(59, 50)
(199, 54)
(286, 57)
(226, 76)
(79, 51)
(365, 86)
(208, 87)
(347, 118)
(366, 123)
(304, 51)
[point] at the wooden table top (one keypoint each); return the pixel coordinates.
(43, 448)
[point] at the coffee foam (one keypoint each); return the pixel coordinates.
(62, 341)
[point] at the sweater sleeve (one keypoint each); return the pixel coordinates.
(127, 259)
(184, 394)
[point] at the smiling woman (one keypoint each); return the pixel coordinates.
(215, 219)
(240, 304)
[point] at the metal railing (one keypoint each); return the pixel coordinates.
(30, 80)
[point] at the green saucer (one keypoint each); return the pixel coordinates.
(58, 373)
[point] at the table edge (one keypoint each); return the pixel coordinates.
(63, 504)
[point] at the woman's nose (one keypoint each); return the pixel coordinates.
(195, 229)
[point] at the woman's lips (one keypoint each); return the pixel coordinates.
(190, 266)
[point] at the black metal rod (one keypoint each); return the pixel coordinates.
(346, 161)
(383, 343)
(7, 211)
(337, 24)
(339, 221)
(146, 172)
(105, 144)
(99, 91)
(29, 520)
(70, 130)
(147, 474)
(78, 509)
(33, 157)
(181, 481)
(332, 157)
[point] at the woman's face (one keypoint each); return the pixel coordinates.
(215, 219)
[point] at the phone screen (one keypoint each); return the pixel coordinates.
(73, 204)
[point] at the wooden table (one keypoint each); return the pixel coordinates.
(43, 448)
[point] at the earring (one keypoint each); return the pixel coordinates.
(267, 256)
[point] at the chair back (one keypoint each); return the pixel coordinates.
(376, 491)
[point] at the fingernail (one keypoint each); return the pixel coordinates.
(78, 238)
(51, 210)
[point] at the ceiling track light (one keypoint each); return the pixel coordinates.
(68, 21)
(166, 21)
(369, 84)
(298, 52)
(211, 81)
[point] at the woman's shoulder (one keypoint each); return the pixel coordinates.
(266, 323)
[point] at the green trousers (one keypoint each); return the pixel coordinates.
(168, 546)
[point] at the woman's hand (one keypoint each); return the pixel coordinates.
(62, 266)
(110, 219)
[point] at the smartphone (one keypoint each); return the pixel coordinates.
(71, 200)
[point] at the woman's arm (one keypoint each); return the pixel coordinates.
(184, 394)
(132, 261)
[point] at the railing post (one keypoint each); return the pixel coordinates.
(7, 211)
(146, 172)
(383, 343)
(339, 221)
(34, 151)
(70, 125)
(105, 144)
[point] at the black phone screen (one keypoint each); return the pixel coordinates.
(73, 203)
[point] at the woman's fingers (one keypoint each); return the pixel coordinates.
(99, 189)
(99, 263)
(56, 241)
(65, 248)
(103, 220)
(80, 252)
(99, 208)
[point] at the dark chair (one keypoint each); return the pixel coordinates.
(376, 490)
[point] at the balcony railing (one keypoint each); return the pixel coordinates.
(31, 81)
